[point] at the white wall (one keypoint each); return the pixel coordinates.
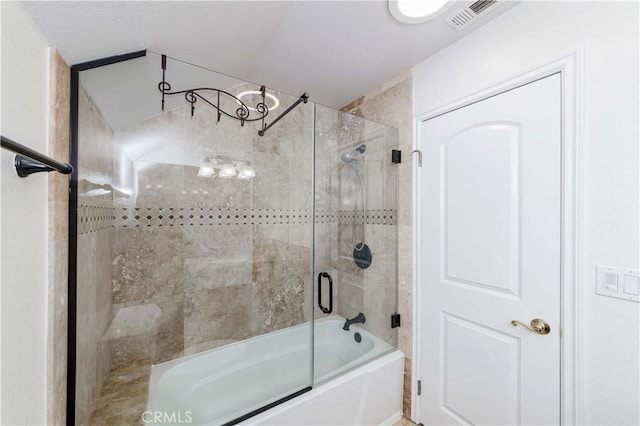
(528, 35)
(24, 222)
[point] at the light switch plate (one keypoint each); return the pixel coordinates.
(618, 282)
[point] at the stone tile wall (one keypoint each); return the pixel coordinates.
(59, 91)
(223, 259)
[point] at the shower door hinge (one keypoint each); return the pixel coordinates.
(395, 320)
(419, 387)
(396, 156)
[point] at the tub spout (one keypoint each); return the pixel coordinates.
(359, 319)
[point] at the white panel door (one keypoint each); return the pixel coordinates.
(490, 238)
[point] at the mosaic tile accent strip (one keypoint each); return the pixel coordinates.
(374, 217)
(192, 216)
(93, 218)
(136, 217)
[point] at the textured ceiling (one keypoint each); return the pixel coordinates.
(334, 50)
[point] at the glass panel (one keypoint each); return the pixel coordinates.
(195, 249)
(356, 241)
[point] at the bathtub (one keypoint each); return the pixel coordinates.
(355, 383)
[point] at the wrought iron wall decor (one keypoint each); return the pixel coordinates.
(242, 113)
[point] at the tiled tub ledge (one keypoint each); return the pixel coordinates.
(124, 395)
(131, 338)
(133, 333)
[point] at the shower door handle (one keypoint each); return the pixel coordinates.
(324, 308)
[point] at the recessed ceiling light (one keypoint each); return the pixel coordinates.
(418, 11)
(275, 100)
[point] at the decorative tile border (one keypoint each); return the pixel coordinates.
(374, 217)
(97, 218)
(92, 218)
(191, 216)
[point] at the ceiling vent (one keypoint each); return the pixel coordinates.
(462, 18)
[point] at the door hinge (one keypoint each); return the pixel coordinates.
(395, 320)
(396, 156)
(419, 387)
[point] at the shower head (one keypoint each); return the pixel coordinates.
(348, 157)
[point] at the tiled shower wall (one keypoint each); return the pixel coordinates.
(95, 204)
(59, 95)
(222, 259)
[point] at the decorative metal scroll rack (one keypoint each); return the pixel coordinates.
(242, 113)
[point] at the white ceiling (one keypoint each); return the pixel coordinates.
(334, 50)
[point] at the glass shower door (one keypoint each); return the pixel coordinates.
(356, 241)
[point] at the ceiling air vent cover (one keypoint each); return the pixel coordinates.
(461, 18)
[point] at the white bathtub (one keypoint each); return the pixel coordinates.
(219, 385)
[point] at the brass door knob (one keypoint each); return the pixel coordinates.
(538, 326)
